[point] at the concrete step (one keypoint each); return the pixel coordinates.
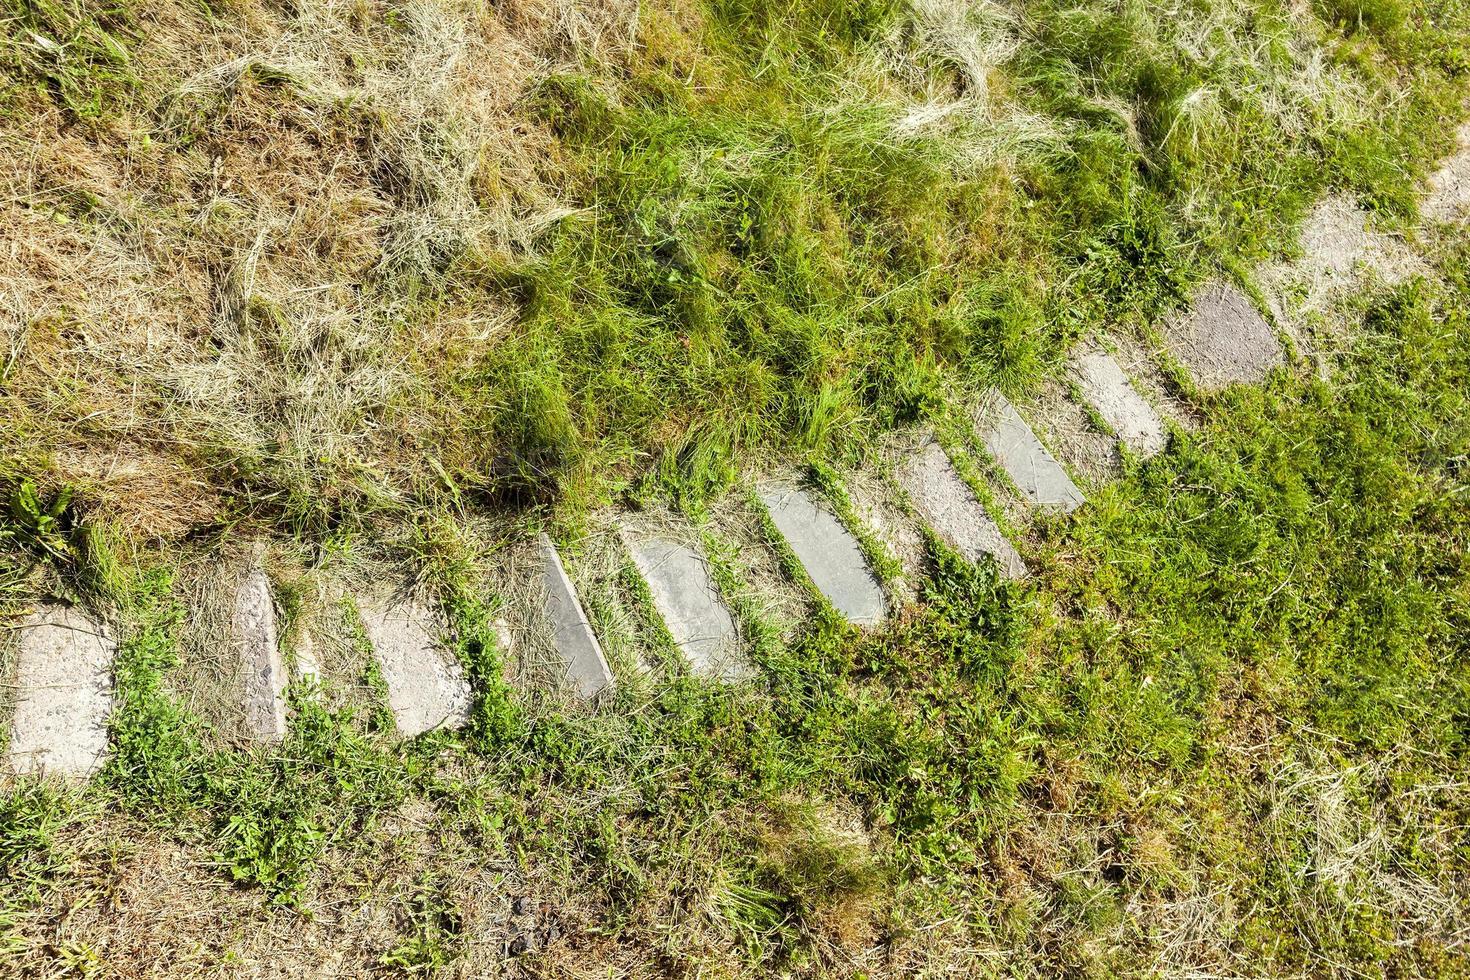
(1223, 339)
(829, 553)
(946, 504)
(256, 642)
(587, 671)
(1107, 389)
(427, 688)
(888, 517)
(63, 681)
(684, 593)
(1037, 475)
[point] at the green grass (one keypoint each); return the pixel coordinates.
(757, 253)
(1289, 580)
(1221, 729)
(764, 262)
(77, 54)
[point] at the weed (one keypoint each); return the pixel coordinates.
(435, 927)
(41, 525)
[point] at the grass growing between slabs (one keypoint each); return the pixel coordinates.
(339, 276)
(1223, 728)
(802, 237)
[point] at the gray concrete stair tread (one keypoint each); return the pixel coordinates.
(64, 693)
(257, 649)
(1223, 339)
(946, 504)
(1036, 473)
(828, 552)
(684, 593)
(571, 634)
(427, 688)
(1107, 389)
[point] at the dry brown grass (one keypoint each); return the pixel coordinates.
(217, 288)
(139, 905)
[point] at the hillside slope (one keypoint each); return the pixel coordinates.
(337, 307)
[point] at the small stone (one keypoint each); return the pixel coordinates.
(64, 689)
(505, 636)
(522, 906)
(1107, 389)
(1224, 340)
(308, 668)
(257, 649)
(952, 512)
(1035, 472)
(521, 943)
(684, 593)
(571, 633)
(426, 686)
(828, 552)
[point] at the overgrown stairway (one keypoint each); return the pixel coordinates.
(62, 681)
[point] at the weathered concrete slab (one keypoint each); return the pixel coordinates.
(426, 684)
(63, 685)
(1223, 340)
(830, 555)
(257, 649)
(1338, 246)
(952, 512)
(684, 592)
(571, 633)
(1107, 389)
(1449, 187)
(877, 504)
(1036, 473)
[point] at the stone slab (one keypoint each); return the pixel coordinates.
(830, 555)
(684, 592)
(946, 504)
(1107, 389)
(1224, 339)
(426, 684)
(64, 691)
(258, 650)
(1449, 187)
(571, 633)
(1035, 472)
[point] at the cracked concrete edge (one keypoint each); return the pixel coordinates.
(256, 639)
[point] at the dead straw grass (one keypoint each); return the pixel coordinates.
(214, 299)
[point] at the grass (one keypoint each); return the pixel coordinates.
(1239, 696)
(722, 240)
(384, 288)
